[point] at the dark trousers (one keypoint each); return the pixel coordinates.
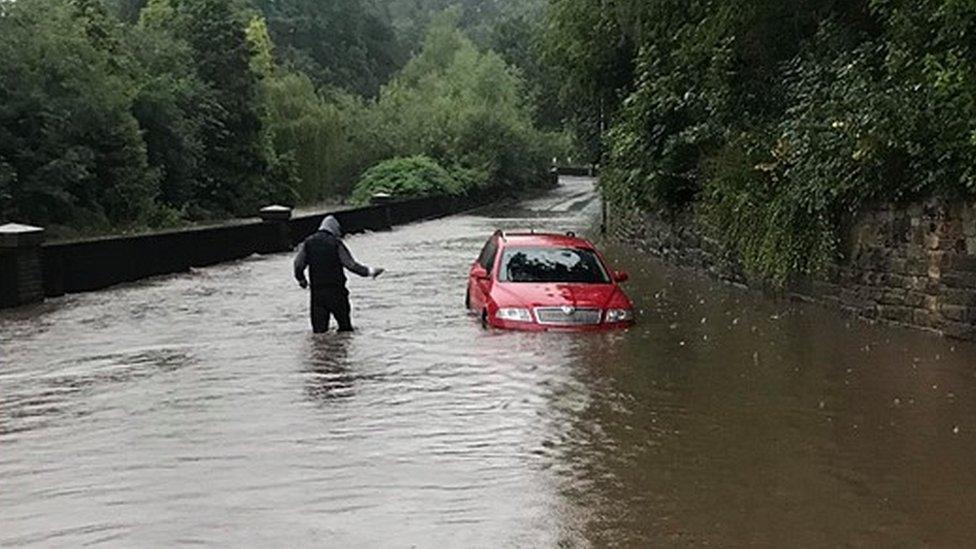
(328, 302)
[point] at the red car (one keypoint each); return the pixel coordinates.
(529, 281)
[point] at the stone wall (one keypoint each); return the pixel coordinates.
(909, 265)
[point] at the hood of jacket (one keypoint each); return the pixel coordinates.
(331, 225)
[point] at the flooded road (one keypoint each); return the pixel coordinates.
(198, 410)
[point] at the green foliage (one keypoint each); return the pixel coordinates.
(262, 48)
(123, 114)
(460, 106)
(592, 58)
(237, 152)
(102, 30)
(70, 151)
(518, 39)
(236, 159)
(778, 122)
(172, 106)
(126, 10)
(463, 107)
(477, 18)
(668, 123)
(862, 127)
(412, 177)
(514, 29)
(338, 43)
(322, 132)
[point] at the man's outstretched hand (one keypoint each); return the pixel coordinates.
(376, 272)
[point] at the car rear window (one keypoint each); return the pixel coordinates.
(574, 265)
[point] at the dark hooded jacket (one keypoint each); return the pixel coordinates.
(326, 257)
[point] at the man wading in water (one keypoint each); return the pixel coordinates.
(326, 256)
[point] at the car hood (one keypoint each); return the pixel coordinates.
(555, 295)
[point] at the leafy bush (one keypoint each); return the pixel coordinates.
(411, 177)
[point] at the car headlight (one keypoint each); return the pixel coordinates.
(514, 314)
(619, 315)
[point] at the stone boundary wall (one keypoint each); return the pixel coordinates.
(911, 265)
(82, 266)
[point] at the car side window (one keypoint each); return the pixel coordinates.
(490, 265)
(487, 257)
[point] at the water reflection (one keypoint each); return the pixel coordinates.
(327, 375)
(35, 399)
(735, 420)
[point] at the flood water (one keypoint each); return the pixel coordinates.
(197, 409)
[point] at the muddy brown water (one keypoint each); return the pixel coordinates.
(197, 409)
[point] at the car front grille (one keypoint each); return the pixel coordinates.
(557, 316)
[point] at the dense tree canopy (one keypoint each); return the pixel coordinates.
(453, 102)
(236, 159)
(478, 18)
(70, 149)
(339, 43)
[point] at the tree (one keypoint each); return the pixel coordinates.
(70, 151)
(102, 29)
(262, 47)
(127, 10)
(412, 18)
(339, 43)
(237, 157)
(775, 122)
(465, 108)
(325, 133)
(173, 107)
(518, 39)
(593, 55)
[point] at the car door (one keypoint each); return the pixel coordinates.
(479, 285)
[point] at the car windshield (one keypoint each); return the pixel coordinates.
(575, 265)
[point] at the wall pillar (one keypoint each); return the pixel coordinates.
(276, 218)
(384, 200)
(21, 273)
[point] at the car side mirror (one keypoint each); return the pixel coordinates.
(479, 272)
(620, 276)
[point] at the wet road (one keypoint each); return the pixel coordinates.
(197, 409)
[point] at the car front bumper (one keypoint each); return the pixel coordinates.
(536, 327)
